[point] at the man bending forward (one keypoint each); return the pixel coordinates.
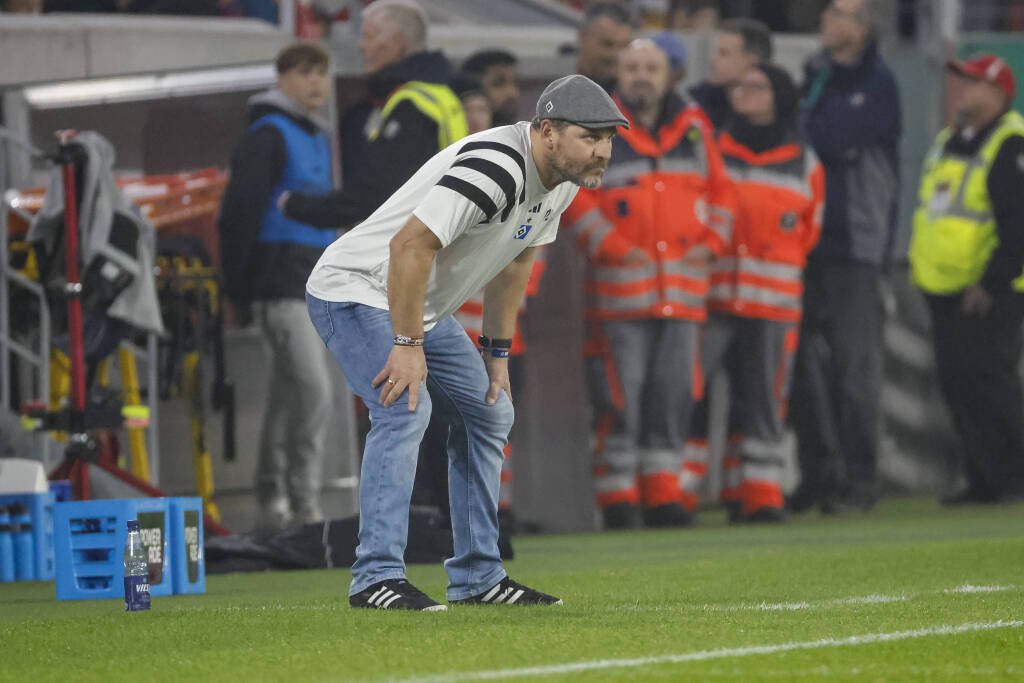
(382, 298)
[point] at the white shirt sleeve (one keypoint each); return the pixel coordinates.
(447, 213)
(474, 190)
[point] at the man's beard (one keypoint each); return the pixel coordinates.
(641, 99)
(583, 174)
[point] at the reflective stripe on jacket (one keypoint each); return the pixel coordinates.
(664, 192)
(437, 102)
(780, 195)
(954, 227)
(471, 314)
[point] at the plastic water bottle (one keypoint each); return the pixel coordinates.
(136, 570)
(6, 548)
(24, 544)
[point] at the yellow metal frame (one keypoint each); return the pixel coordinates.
(199, 276)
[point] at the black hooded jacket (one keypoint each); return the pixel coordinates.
(714, 100)
(255, 270)
(373, 169)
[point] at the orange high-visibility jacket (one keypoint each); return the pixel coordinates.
(780, 198)
(665, 192)
(471, 313)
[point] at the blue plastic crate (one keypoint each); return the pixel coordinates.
(188, 561)
(40, 509)
(61, 490)
(89, 538)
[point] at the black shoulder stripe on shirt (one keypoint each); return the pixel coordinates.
(498, 174)
(504, 149)
(472, 193)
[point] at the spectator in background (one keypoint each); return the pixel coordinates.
(754, 302)
(693, 15)
(410, 115)
(475, 103)
(739, 44)
(496, 71)
(852, 118)
(967, 255)
(266, 258)
(605, 33)
(648, 233)
(675, 50)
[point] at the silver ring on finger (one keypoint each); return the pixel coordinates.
(391, 381)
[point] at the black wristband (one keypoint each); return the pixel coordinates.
(488, 343)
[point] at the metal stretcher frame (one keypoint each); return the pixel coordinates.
(39, 359)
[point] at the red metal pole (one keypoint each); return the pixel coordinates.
(73, 289)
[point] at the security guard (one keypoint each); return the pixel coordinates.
(967, 255)
(410, 114)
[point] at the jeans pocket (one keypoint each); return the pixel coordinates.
(320, 314)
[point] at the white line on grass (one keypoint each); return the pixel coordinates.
(765, 606)
(968, 588)
(704, 655)
(793, 606)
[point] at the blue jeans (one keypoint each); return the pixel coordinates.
(360, 338)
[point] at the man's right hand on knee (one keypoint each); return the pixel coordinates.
(406, 369)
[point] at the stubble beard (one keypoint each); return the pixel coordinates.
(584, 175)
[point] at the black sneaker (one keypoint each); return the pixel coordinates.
(768, 514)
(508, 592)
(670, 515)
(395, 594)
(621, 516)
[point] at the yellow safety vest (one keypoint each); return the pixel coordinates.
(954, 228)
(437, 102)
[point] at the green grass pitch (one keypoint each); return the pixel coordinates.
(911, 592)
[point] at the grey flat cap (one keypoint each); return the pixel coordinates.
(579, 100)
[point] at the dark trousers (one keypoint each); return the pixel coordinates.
(976, 361)
(834, 407)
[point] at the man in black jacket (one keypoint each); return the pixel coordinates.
(852, 118)
(409, 116)
(266, 258)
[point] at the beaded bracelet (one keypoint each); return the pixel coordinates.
(404, 340)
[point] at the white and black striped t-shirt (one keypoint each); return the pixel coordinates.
(483, 199)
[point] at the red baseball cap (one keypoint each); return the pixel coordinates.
(989, 68)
